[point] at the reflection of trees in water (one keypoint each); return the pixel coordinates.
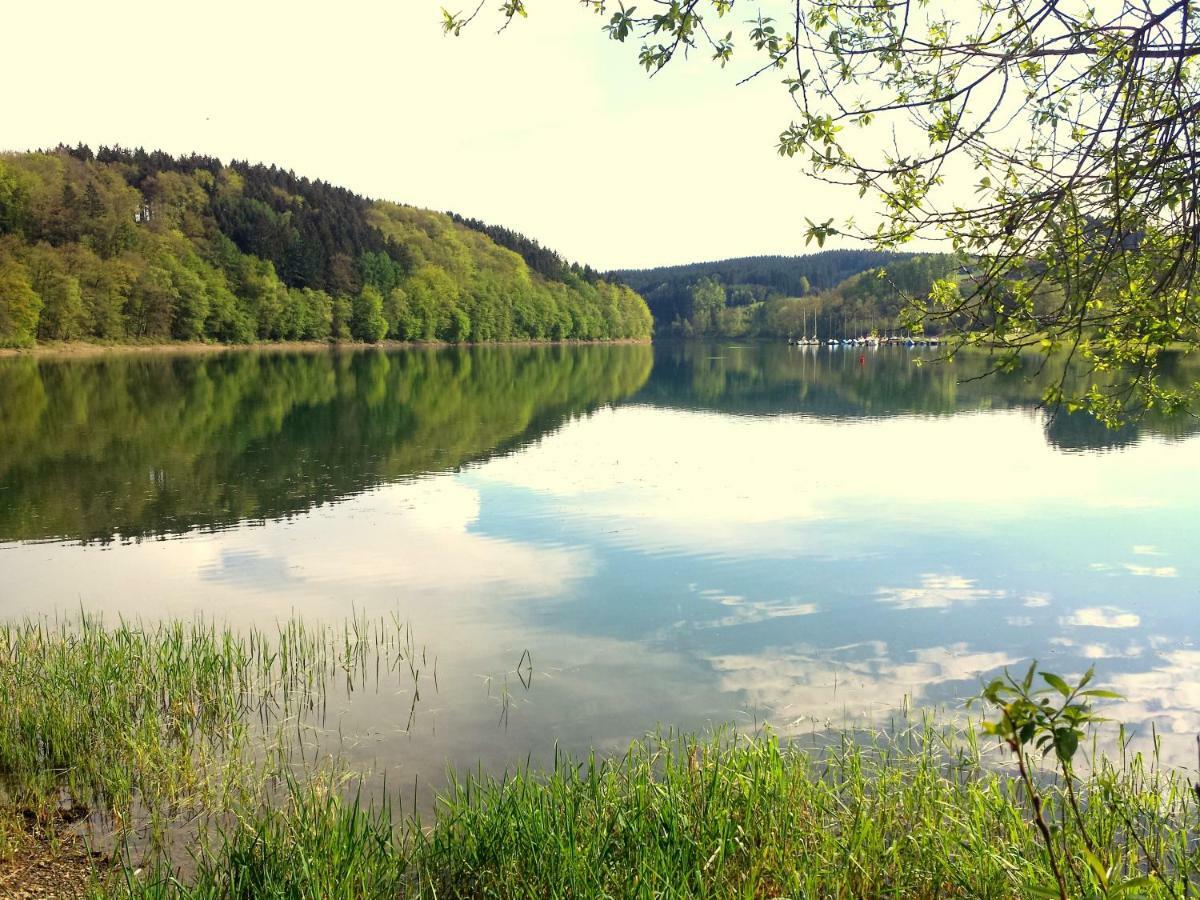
(1081, 431)
(773, 379)
(137, 445)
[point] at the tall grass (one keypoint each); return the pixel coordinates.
(190, 720)
(727, 816)
(152, 722)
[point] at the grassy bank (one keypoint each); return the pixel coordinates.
(713, 818)
(148, 727)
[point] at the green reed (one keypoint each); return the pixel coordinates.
(195, 721)
(143, 724)
(918, 814)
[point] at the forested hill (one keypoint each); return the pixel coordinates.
(122, 245)
(788, 275)
(834, 292)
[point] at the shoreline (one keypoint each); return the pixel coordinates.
(47, 858)
(86, 349)
(155, 726)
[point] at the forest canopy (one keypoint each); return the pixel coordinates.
(833, 293)
(122, 245)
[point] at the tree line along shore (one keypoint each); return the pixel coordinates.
(117, 246)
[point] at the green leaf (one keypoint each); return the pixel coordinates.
(1027, 681)
(1040, 891)
(1125, 887)
(1096, 866)
(1057, 683)
(1067, 742)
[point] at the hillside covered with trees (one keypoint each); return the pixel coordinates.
(834, 293)
(122, 245)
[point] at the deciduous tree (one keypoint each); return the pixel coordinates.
(1053, 144)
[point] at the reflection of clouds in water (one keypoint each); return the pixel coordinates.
(1102, 617)
(1168, 694)
(936, 592)
(248, 567)
(1152, 571)
(405, 542)
(856, 680)
(1132, 650)
(676, 491)
(1104, 651)
(1137, 569)
(418, 536)
(743, 611)
(747, 613)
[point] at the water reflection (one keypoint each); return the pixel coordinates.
(133, 445)
(740, 534)
(770, 379)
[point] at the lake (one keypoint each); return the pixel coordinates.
(594, 541)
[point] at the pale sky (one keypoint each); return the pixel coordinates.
(549, 128)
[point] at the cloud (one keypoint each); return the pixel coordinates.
(1034, 601)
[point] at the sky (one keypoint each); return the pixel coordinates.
(548, 128)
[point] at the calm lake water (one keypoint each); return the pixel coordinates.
(685, 535)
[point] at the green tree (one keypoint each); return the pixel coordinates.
(106, 285)
(13, 192)
(136, 245)
(63, 313)
(19, 305)
(192, 307)
(1050, 144)
(708, 299)
(150, 309)
(339, 320)
(366, 317)
(789, 317)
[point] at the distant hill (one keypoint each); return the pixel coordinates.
(834, 292)
(122, 245)
(788, 275)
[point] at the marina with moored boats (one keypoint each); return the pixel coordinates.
(871, 340)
